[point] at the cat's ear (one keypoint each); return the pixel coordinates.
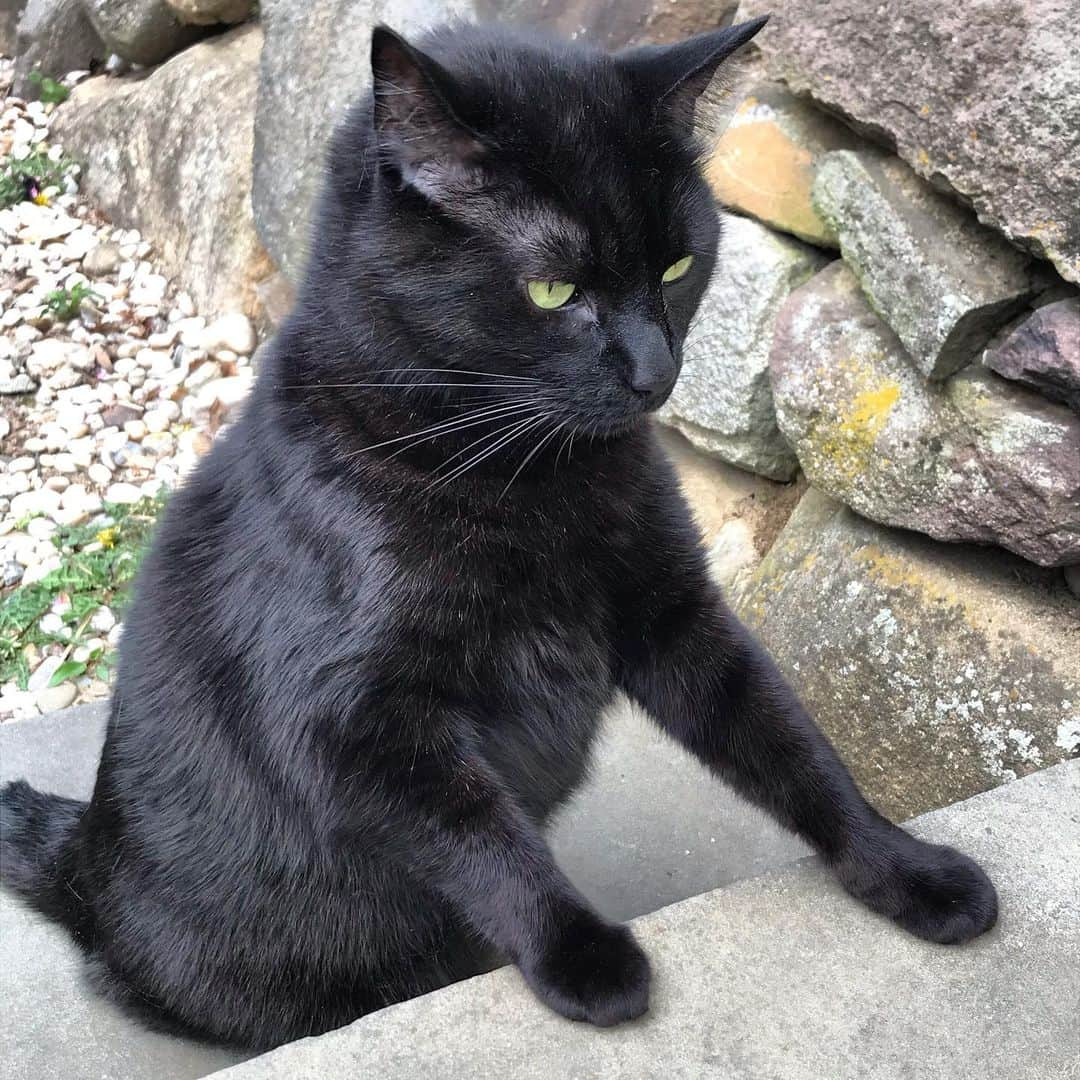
(675, 76)
(417, 132)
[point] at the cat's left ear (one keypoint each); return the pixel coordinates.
(419, 136)
(675, 76)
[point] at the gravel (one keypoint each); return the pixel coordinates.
(109, 406)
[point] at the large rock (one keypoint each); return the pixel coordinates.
(1043, 352)
(983, 98)
(10, 13)
(937, 671)
(153, 161)
(314, 65)
(208, 12)
(942, 281)
(54, 37)
(143, 31)
(723, 400)
(976, 458)
(765, 161)
(614, 23)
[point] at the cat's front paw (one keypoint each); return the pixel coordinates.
(932, 891)
(592, 971)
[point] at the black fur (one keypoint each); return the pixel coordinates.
(354, 684)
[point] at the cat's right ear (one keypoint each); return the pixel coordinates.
(419, 136)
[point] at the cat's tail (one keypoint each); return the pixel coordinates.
(36, 833)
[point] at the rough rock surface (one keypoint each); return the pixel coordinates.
(10, 12)
(937, 671)
(943, 282)
(976, 458)
(765, 161)
(143, 31)
(208, 12)
(315, 53)
(613, 25)
(983, 98)
(723, 400)
(153, 162)
(1043, 352)
(54, 37)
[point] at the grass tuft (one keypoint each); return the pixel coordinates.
(99, 562)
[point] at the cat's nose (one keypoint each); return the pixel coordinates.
(652, 366)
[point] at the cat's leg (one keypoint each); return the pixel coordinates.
(455, 827)
(689, 662)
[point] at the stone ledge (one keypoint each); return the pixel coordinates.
(783, 976)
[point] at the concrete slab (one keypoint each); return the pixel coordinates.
(651, 827)
(785, 978)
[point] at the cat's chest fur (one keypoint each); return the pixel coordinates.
(515, 618)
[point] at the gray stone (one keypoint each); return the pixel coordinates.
(786, 977)
(208, 12)
(614, 24)
(315, 63)
(974, 458)
(723, 401)
(938, 671)
(153, 162)
(101, 260)
(16, 382)
(981, 98)
(54, 37)
(142, 31)
(1043, 352)
(766, 159)
(10, 13)
(943, 282)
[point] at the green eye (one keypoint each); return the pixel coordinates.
(550, 294)
(677, 270)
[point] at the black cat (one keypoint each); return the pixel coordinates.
(368, 651)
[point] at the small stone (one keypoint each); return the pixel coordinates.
(20, 464)
(102, 260)
(123, 493)
(64, 378)
(40, 676)
(135, 430)
(1043, 352)
(41, 501)
(233, 332)
(204, 373)
(56, 697)
(99, 474)
(102, 621)
(119, 414)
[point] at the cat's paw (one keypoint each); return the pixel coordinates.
(592, 971)
(930, 890)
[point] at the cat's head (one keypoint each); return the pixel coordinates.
(528, 208)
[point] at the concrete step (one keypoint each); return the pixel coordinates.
(783, 977)
(651, 827)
